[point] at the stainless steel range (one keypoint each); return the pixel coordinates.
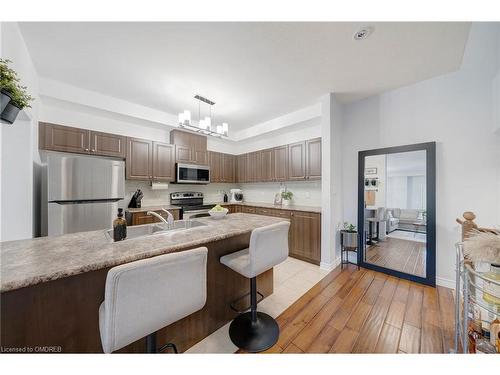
(191, 203)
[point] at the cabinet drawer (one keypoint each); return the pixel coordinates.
(264, 211)
(285, 214)
(248, 210)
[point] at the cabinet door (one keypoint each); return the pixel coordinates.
(141, 218)
(139, 161)
(280, 155)
(227, 168)
(242, 168)
(297, 161)
(182, 154)
(305, 236)
(215, 163)
(254, 167)
(62, 138)
(107, 144)
(163, 162)
(267, 165)
(313, 159)
(199, 157)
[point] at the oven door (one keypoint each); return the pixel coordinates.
(192, 174)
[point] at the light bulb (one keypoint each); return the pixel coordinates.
(219, 129)
(225, 128)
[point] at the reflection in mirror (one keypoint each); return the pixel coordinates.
(395, 211)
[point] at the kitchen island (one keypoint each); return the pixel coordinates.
(51, 287)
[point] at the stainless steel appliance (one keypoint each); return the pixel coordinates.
(192, 174)
(83, 193)
(191, 203)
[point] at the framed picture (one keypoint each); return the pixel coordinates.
(370, 170)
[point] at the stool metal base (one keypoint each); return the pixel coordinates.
(254, 336)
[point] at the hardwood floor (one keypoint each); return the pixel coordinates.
(363, 311)
(398, 254)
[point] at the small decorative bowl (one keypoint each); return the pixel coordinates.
(218, 214)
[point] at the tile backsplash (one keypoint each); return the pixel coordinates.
(306, 193)
(211, 192)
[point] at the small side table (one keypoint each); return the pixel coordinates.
(347, 247)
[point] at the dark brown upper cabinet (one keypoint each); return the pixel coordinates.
(139, 161)
(280, 156)
(163, 162)
(228, 168)
(297, 161)
(313, 159)
(107, 144)
(149, 161)
(54, 137)
(215, 163)
(62, 138)
(241, 168)
(253, 166)
(267, 165)
(189, 147)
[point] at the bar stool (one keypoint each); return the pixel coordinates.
(256, 331)
(144, 296)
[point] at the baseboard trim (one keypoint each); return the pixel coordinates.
(447, 283)
(329, 266)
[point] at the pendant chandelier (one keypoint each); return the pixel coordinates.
(205, 125)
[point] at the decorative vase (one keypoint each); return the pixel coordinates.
(286, 202)
(10, 112)
(350, 239)
(4, 99)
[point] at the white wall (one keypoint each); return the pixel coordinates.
(19, 157)
(455, 111)
(379, 162)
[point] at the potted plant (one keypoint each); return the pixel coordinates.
(286, 197)
(14, 97)
(350, 235)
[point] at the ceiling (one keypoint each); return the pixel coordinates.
(253, 71)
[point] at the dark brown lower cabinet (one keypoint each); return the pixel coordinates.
(139, 218)
(305, 236)
(305, 230)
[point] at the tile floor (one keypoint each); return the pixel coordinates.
(292, 279)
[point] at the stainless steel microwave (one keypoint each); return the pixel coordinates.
(192, 174)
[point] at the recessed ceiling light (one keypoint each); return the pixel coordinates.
(363, 33)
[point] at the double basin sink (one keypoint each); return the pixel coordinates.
(157, 228)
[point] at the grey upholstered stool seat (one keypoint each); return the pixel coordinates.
(144, 296)
(256, 331)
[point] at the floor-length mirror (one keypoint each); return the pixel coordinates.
(396, 211)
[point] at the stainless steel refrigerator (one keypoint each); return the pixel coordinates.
(83, 192)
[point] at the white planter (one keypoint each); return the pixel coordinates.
(286, 202)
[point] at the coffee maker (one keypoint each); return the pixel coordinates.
(236, 195)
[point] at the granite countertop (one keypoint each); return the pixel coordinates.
(38, 260)
(153, 208)
(270, 205)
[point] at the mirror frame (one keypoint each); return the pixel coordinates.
(430, 271)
